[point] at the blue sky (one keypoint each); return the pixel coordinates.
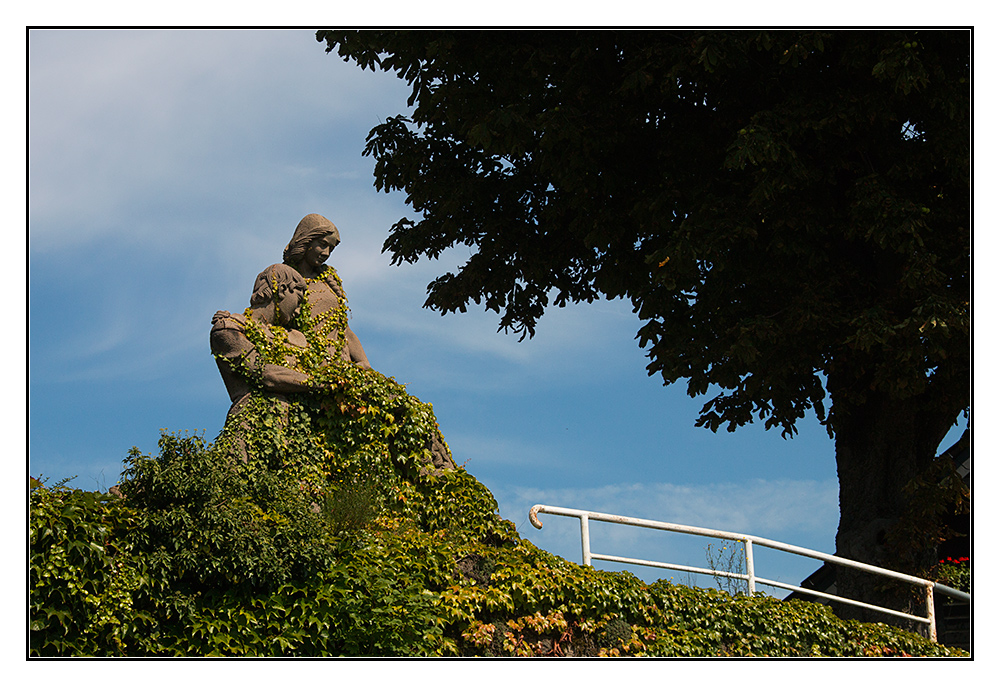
(167, 168)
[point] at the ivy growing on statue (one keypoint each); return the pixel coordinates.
(326, 522)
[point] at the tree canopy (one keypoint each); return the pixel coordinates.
(777, 206)
(788, 212)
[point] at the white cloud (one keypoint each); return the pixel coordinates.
(199, 149)
(126, 127)
(563, 336)
(124, 344)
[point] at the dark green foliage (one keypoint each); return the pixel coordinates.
(774, 204)
(365, 605)
(717, 623)
(212, 522)
(309, 530)
(351, 505)
(787, 211)
(955, 573)
(81, 572)
(207, 557)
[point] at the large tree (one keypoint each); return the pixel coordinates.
(788, 212)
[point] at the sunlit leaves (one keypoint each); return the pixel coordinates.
(440, 574)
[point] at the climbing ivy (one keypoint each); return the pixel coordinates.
(323, 332)
(205, 557)
(312, 526)
(82, 574)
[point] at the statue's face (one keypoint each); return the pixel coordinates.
(289, 299)
(319, 250)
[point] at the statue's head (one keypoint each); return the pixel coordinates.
(314, 238)
(283, 288)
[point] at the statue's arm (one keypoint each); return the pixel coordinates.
(354, 348)
(283, 379)
(233, 346)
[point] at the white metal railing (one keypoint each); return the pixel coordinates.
(750, 577)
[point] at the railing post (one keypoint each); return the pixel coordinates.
(585, 537)
(930, 612)
(748, 549)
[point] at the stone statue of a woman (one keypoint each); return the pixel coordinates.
(314, 239)
(277, 296)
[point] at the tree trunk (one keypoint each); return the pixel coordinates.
(881, 446)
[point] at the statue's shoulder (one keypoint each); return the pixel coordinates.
(332, 279)
(223, 320)
(228, 337)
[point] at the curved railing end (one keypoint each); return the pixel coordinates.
(533, 517)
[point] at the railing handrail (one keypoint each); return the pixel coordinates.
(749, 540)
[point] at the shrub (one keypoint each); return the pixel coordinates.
(321, 526)
(209, 557)
(82, 573)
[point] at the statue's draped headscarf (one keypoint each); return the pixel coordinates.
(311, 227)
